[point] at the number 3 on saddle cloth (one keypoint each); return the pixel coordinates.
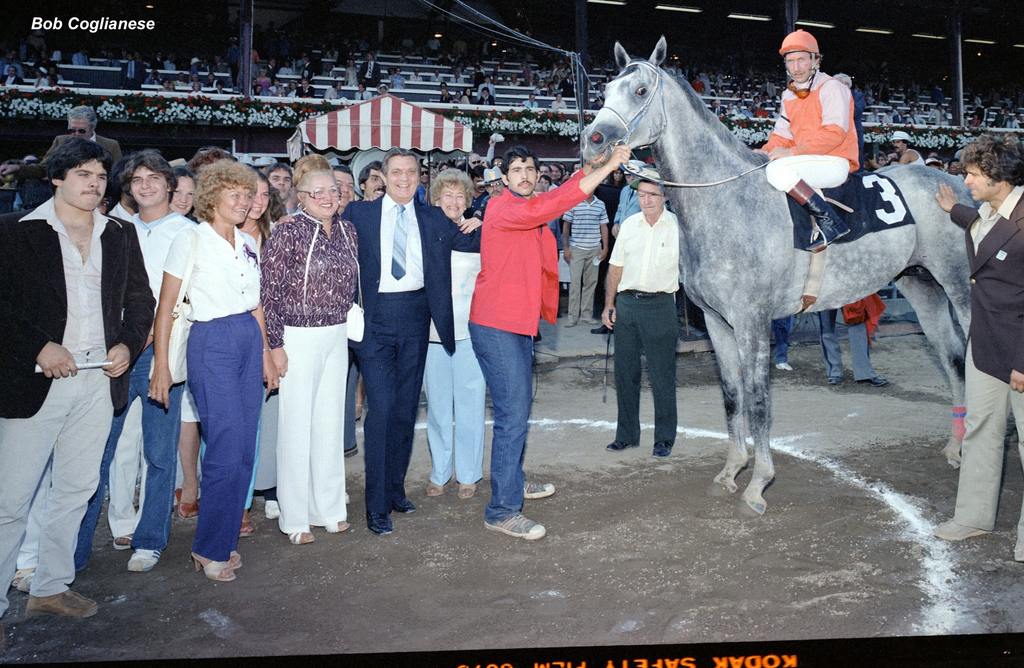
(876, 202)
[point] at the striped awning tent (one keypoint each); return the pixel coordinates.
(382, 122)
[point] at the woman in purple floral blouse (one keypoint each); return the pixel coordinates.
(308, 283)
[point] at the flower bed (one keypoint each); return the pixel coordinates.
(53, 104)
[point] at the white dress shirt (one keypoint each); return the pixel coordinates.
(226, 277)
(413, 279)
(83, 282)
(648, 254)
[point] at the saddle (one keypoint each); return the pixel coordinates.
(868, 202)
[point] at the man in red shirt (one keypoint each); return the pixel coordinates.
(518, 282)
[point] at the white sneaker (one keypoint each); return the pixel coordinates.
(537, 490)
(23, 579)
(784, 366)
(518, 526)
(143, 560)
(271, 510)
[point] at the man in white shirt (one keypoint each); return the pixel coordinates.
(150, 180)
(643, 277)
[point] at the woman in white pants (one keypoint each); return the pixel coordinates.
(309, 273)
(454, 383)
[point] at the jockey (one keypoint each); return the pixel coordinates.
(814, 142)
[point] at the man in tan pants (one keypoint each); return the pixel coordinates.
(995, 352)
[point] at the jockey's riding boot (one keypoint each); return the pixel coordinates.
(831, 225)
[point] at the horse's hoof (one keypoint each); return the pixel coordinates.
(952, 453)
(718, 490)
(752, 510)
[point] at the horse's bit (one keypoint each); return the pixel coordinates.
(634, 122)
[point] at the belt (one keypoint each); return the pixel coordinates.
(644, 295)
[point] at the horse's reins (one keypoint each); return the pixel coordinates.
(634, 122)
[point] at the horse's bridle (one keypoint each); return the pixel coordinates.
(634, 122)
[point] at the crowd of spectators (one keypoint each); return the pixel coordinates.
(463, 72)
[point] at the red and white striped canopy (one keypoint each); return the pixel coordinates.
(383, 122)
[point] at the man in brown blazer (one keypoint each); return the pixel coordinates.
(81, 123)
(994, 233)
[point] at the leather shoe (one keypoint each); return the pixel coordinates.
(877, 381)
(351, 452)
(600, 330)
(379, 523)
(616, 446)
(66, 604)
(403, 506)
(662, 448)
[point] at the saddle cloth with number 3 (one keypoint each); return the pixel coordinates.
(876, 202)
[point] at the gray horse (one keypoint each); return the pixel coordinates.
(737, 260)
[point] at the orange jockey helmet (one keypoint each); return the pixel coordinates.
(799, 40)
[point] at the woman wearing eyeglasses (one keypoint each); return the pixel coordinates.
(308, 285)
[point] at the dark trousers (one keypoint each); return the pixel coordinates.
(225, 375)
(392, 362)
(645, 325)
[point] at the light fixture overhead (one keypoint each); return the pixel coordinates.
(924, 35)
(438, 35)
(980, 41)
(619, 3)
(816, 24)
(876, 31)
(679, 8)
(749, 17)
(149, 6)
(1019, 46)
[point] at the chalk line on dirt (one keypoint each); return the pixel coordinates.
(937, 564)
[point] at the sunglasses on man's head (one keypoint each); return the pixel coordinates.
(77, 131)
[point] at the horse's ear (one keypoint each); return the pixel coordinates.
(621, 57)
(658, 55)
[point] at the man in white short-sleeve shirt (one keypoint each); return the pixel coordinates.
(643, 277)
(149, 180)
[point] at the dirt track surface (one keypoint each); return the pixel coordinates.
(637, 552)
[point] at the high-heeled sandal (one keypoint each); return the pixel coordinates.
(247, 529)
(235, 561)
(218, 571)
(186, 510)
(300, 538)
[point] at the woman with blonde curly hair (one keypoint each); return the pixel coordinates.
(454, 384)
(227, 355)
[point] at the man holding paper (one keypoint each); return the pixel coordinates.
(73, 293)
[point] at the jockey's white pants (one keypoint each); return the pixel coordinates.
(819, 171)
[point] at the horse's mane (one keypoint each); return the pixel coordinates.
(714, 124)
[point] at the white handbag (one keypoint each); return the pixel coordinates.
(181, 323)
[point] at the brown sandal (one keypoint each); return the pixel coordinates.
(435, 490)
(467, 491)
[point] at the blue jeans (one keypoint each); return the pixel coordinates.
(160, 429)
(833, 354)
(780, 332)
(506, 360)
(455, 392)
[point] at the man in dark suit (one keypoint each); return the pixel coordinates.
(82, 123)
(73, 295)
(405, 273)
(995, 350)
(369, 72)
(134, 72)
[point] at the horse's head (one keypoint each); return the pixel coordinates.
(634, 110)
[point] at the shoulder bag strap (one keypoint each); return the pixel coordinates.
(188, 275)
(351, 247)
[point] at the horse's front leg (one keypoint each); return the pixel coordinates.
(754, 349)
(724, 340)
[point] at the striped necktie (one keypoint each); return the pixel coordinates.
(398, 249)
